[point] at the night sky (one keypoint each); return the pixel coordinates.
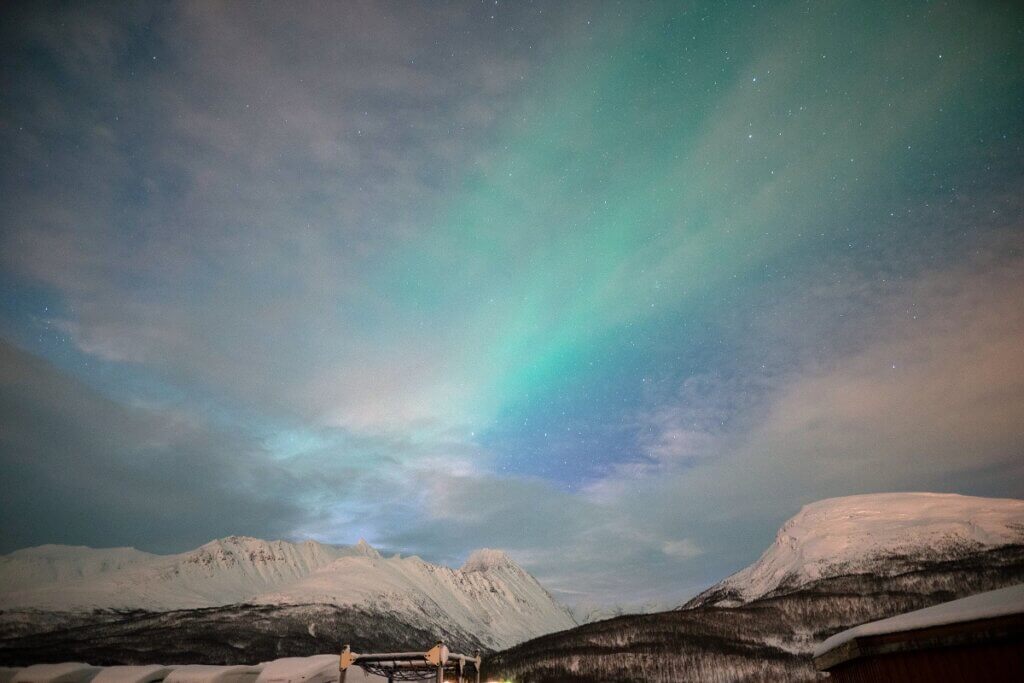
(616, 287)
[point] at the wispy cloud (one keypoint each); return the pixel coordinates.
(925, 392)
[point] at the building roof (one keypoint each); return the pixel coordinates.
(997, 603)
(983, 618)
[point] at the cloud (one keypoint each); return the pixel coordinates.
(690, 424)
(946, 418)
(926, 394)
(80, 468)
(226, 188)
(937, 395)
(684, 548)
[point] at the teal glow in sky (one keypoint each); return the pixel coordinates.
(615, 286)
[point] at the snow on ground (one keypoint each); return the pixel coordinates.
(997, 603)
(132, 674)
(316, 669)
(207, 673)
(67, 672)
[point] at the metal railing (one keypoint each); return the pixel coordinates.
(413, 666)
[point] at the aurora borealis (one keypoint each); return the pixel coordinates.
(614, 286)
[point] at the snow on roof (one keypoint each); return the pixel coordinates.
(133, 674)
(317, 669)
(997, 603)
(68, 672)
(204, 673)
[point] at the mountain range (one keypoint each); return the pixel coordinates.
(490, 602)
(835, 564)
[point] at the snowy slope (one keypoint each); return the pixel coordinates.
(490, 597)
(878, 533)
(224, 571)
(49, 564)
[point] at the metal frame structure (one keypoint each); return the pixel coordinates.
(412, 666)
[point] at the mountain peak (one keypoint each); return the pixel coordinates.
(366, 550)
(234, 541)
(485, 559)
(859, 534)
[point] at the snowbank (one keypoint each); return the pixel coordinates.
(68, 672)
(316, 669)
(203, 673)
(133, 674)
(997, 603)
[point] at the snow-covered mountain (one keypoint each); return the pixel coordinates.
(881, 534)
(588, 612)
(836, 564)
(490, 597)
(58, 564)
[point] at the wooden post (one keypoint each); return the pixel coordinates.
(341, 666)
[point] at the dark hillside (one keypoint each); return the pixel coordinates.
(236, 634)
(767, 639)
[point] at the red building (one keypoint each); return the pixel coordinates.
(978, 638)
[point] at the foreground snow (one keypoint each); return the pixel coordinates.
(490, 596)
(316, 669)
(66, 672)
(866, 533)
(997, 603)
(132, 674)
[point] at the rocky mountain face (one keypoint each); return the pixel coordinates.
(234, 589)
(836, 564)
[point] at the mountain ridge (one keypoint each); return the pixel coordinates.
(490, 597)
(870, 533)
